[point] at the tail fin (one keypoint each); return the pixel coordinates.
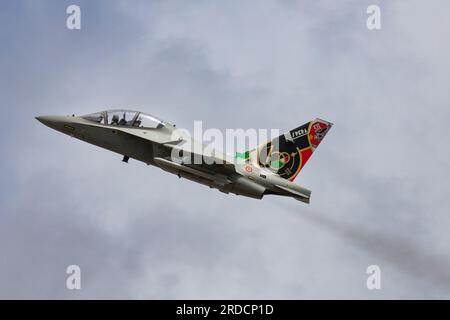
(287, 154)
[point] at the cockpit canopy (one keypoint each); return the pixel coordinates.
(125, 118)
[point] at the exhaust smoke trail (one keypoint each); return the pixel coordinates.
(403, 255)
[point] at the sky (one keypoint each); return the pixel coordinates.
(380, 179)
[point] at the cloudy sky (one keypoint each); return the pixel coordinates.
(380, 179)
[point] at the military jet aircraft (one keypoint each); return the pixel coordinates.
(268, 169)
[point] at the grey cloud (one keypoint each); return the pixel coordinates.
(379, 180)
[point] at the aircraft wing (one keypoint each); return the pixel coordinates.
(216, 179)
(218, 161)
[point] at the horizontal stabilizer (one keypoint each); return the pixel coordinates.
(301, 195)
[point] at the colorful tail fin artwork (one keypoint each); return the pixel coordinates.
(287, 154)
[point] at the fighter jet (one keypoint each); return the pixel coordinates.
(268, 169)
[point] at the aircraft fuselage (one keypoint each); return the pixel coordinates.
(155, 146)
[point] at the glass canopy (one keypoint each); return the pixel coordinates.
(125, 118)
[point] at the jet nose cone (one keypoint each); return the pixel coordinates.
(47, 120)
(54, 122)
(41, 119)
